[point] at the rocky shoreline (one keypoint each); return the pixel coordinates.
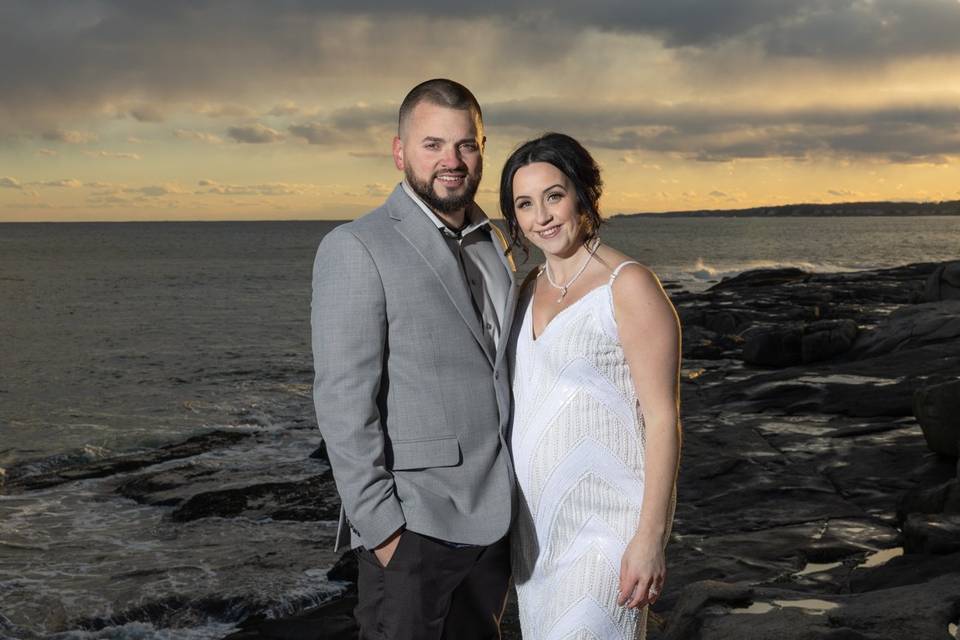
(818, 493)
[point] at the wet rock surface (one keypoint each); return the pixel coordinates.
(47, 473)
(937, 408)
(943, 283)
(810, 504)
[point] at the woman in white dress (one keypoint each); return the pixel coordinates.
(595, 433)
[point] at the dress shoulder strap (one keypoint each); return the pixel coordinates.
(616, 272)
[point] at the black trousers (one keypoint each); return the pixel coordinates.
(431, 591)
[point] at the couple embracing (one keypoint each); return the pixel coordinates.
(479, 429)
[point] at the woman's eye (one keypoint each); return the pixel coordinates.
(553, 197)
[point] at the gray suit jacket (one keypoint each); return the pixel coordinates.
(410, 399)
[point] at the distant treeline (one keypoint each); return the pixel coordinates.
(946, 208)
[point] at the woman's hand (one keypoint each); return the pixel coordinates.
(643, 570)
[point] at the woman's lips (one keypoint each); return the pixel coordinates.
(549, 232)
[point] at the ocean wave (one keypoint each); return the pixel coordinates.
(700, 274)
(85, 454)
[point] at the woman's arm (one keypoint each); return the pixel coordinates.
(650, 336)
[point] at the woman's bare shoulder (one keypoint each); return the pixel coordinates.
(634, 275)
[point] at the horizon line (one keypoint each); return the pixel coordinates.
(674, 212)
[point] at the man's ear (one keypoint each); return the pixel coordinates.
(397, 153)
(483, 143)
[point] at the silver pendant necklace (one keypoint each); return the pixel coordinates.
(563, 288)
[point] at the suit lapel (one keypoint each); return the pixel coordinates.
(506, 324)
(417, 229)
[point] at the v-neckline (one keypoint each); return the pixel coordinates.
(536, 338)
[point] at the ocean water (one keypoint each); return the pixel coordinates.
(116, 337)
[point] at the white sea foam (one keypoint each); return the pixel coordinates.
(72, 458)
(700, 274)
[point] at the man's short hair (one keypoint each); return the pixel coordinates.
(441, 92)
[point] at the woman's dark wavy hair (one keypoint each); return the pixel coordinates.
(567, 155)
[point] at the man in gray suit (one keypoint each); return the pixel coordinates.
(410, 316)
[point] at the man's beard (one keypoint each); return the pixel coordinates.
(449, 204)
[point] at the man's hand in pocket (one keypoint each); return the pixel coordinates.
(386, 550)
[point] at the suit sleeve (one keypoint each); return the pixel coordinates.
(349, 327)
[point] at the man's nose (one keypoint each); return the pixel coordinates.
(451, 157)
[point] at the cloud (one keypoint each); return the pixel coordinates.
(632, 160)
(315, 133)
(83, 55)
(46, 152)
(928, 133)
(147, 113)
(69, 137)
(266, 189)
(6, 182)
(646, 82)
(108, 200)
(112, 154)
(349, 125)
(843, 193)
(364, 117)
(371, 155)
(199, 136)
(286, 108)
(69, 183)
(378, 189)
(155, 191)
(223, 110)
(254, 134)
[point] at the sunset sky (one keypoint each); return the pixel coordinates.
(169, 110)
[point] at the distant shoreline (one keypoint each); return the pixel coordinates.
(835, 210)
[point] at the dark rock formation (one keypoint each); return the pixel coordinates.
(36, 475)
(937, 408)
(773, 346)
(313, 498)
(943, 283)
(911, 327)
(903, 570)
(941, 498)
(932, 533)
(827, 338)
(330, 621)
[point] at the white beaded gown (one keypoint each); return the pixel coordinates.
(577, 440)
